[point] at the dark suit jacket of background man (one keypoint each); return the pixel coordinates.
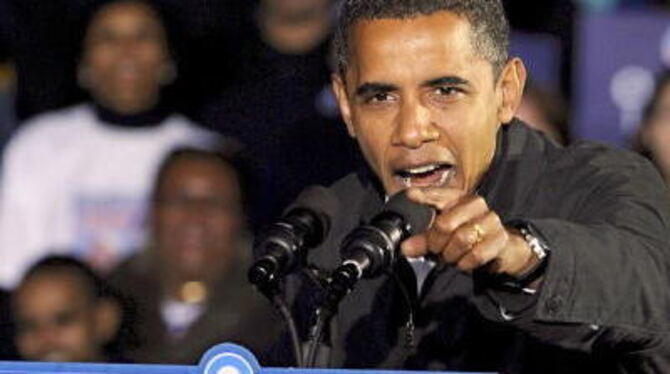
(235, 313)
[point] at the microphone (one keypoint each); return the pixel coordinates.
(371, 249)
(283, 247)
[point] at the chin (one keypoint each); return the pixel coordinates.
(392, 188)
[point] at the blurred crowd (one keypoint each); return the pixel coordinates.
(145, 143)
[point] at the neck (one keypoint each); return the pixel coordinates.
(294, 35)
(142, 118)
(663, 163)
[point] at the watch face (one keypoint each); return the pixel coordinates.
(536, 244)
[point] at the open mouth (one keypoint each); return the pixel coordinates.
(430, 175)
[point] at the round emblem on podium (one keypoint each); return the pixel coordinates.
(229, 359)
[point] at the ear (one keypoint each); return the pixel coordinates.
(108, 319)
(340, 90)
(83, 77)
(511, 84)
(168, 73)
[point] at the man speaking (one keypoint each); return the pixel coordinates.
(540, 258)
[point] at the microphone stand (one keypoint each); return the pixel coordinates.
(341, 283)
(323, 316)
(271, 289)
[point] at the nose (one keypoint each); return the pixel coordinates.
(197, 210)
(414, 126)
(128, 45)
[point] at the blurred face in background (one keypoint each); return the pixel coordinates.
(58, 319)
(531, 112)
(197, 219)
(656, 133)
(125, 57)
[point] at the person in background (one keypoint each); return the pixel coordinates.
(7, 348)
(545, 111)
(281, 106)
(64, 312)
(7, 96)
(188, 289)
(653, 138)
(78, 178)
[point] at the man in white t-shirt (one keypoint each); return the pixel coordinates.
(76, 180)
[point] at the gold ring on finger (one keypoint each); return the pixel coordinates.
(479, 233)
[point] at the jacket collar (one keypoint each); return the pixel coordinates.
(519, 161)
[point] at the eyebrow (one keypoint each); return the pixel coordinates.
(447, 80)
(372, 88)
(369, 89)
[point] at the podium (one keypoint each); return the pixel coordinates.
(221, 359)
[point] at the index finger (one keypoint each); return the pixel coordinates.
(415, 246)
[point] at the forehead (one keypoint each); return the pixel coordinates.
(296, 4)
(58, 284)
(190, 170)
(417, 45)
(124, 14)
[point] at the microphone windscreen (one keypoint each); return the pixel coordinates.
(319, 200)
(418, 217)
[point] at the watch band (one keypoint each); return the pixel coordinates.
(539, 248)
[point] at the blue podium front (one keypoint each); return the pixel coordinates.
(221, 359)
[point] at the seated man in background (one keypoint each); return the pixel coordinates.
(78, 178)
(188, 290)
(64, 313)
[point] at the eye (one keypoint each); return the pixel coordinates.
(102, 37)
(447, 91)
(446, 94)
(25, 327)
(379, 98)
(64, 319)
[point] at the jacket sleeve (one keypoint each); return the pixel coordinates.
(605, 290)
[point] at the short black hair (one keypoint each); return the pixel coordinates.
(229, 154)
(93, 284)
(490, 28)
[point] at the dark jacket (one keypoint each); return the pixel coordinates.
(7, 348)
(604, 304)
(235, 313)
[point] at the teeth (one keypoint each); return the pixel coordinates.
(446, 176)
(406, 180)
(422, 169)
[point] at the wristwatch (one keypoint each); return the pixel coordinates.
(540, 249)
